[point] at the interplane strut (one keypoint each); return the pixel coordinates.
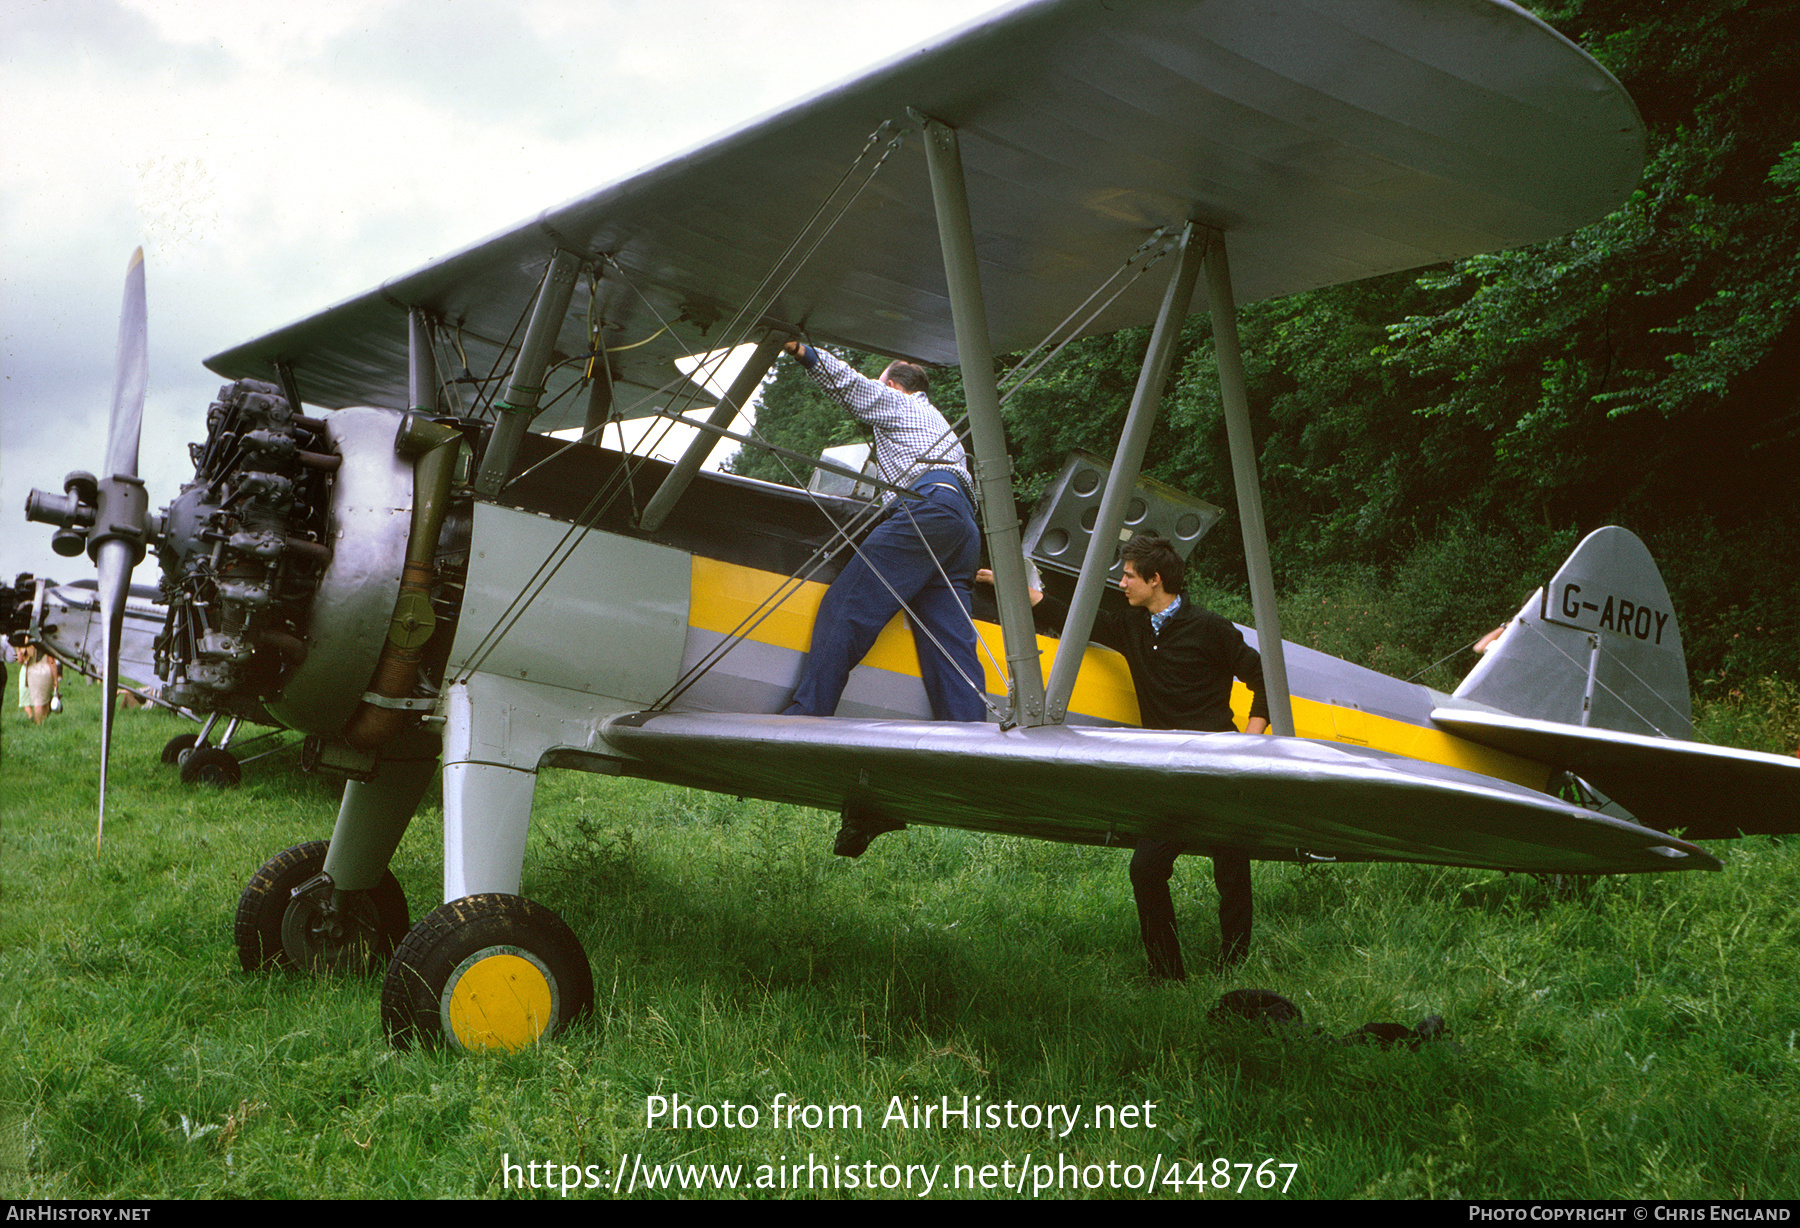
(1129, 458)
(993, 467)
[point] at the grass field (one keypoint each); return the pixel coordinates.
(1635, 1037)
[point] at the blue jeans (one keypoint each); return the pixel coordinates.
(919, 545)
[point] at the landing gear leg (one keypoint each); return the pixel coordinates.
(488, 969)
(337, 906)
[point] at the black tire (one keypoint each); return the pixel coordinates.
(376, 922)
(177, 746)
(486, 972)
(211, 765)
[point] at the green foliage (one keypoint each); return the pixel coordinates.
(1077, 402)
(1737, 590)
(1763, 715)
(1419, 617)
(1664, 333)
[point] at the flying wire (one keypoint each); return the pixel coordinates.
(1160, 236)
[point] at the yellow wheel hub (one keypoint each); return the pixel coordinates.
(499, 998)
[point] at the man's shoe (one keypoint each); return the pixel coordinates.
(860, 826)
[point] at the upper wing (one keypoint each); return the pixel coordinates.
(1333, 141)
(1278, 798)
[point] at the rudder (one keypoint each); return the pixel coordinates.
(1599, 647)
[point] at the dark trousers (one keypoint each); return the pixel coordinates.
(1152, 865)
(923, 554)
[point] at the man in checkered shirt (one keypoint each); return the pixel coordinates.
(922, 554)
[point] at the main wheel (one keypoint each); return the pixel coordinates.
(211, 765)
(276, 929)
(486, 972)
(177, 747)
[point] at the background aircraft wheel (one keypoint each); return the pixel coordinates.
(486, 972)
(268, 915)
(211, 765)
(178, 746)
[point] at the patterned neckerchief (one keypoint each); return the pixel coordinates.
(1157, 620)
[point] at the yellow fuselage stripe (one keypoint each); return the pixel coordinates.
(725, 595)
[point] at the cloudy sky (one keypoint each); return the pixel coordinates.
(275, 157)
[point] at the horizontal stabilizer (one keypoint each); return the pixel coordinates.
(1278, 798)
(1714, 792)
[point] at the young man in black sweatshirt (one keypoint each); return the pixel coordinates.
(1183, 659)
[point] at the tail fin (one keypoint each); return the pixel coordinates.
(1599, 647)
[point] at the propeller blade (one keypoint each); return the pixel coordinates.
(131, 376)
(114, 557)
(114, 562)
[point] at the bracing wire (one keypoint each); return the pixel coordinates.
(850, 533)
(1149, 247)
(1451, 655)
(737, 327)
(768, 605)
(1601, 683)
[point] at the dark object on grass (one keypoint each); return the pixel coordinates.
(1263, 1006)
(860, 825)
(1276, 1015)
(1387, 1035)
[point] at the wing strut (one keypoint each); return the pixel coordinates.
(703, 443)
(993, 468)
(421, 364)
(1126, 461)
(1249, 491)
(520, 405)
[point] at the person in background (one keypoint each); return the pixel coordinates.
(41, 676)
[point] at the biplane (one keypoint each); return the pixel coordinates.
(67, 620)
(386, 547)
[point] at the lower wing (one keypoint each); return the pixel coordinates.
(1277, 798)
